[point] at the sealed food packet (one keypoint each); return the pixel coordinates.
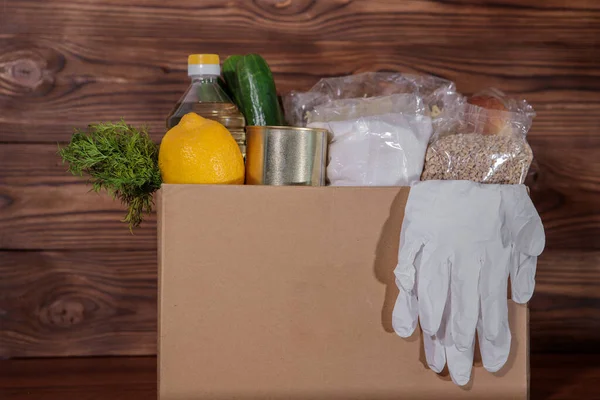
(378, 141)
(344, 109)
(437, 93)
(483, 140)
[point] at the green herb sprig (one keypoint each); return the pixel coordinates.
(120, 159)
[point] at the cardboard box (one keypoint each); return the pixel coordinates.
(287, 293)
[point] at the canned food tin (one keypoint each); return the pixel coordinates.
(285, 155)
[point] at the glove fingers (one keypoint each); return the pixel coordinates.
(523, 220)
(494, 353)
(492, 291)
(464, 291)
(460, 363)
(405, 270)
(433, 285)
(523, 278)
(435, 354)
(405, 314)
(531, 238)
(435, 351)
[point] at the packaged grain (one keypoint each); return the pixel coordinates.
(483, 140)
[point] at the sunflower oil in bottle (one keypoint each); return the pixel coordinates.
(206, 98)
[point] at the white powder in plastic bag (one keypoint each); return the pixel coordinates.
(378, 150)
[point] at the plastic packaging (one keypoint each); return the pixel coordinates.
(437, 93)
(344, 109)
(206, 98)
(368, 148)
(482, 144)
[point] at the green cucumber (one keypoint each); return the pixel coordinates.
(228, 70)
(256, 91)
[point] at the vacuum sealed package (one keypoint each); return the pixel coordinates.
(483, 140)
(368, 148)
(437, 93)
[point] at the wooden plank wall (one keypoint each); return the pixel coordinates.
(73, 281)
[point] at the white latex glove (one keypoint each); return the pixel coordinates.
(460, 241)
(525, 233)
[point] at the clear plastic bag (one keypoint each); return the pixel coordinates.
(489, 112)
(377, 150)
(437, 93)
(482, 144)
(345, 109)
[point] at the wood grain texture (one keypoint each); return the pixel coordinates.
(418, 22)
(553, 377)
(50, 84)
(77, 303)
(565, 188)
(66, 63)
(67, 216)
(43, 207)
(58, 303)
(565, 309)
(118, 378)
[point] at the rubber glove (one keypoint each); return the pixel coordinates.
(495, 349)
(523, 235)
(460, 241)
(451, 223)
(524, 231)
(440, 348)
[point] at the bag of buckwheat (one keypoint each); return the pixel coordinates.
(483, 140)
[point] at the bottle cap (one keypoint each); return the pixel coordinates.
(203, 64)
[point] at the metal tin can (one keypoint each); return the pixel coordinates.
(285, 155)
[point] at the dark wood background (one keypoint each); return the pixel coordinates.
(74, 281)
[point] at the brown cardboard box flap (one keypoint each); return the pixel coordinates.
(287, 293)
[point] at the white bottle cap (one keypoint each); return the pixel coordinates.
(203, 64)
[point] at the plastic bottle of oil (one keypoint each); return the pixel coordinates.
(206, 98)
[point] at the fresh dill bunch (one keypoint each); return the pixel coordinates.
(120, 159)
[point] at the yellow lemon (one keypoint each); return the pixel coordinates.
(200, 150)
